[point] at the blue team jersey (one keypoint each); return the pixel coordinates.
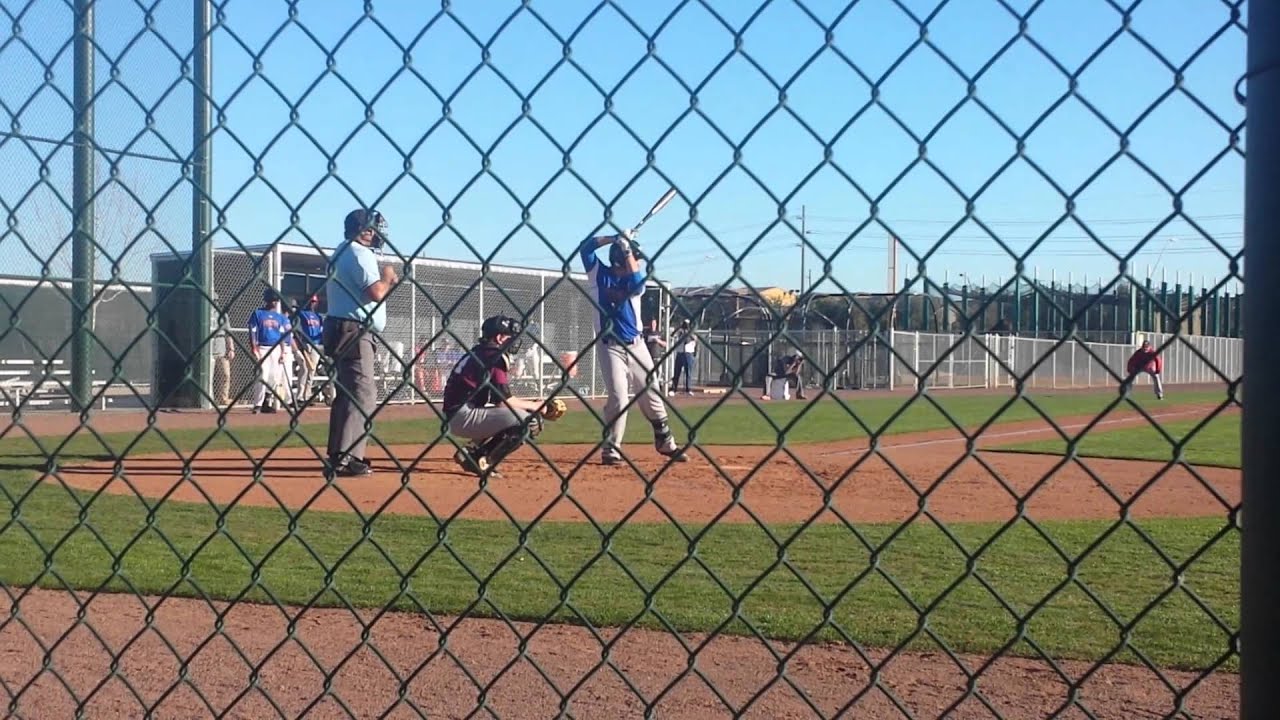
(268, 328)
(618, 295)
(312, 326)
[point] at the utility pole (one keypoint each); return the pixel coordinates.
(892, 286)
(803, 232)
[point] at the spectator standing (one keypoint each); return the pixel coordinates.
(223, 350)
(686, 342)
(657, 350)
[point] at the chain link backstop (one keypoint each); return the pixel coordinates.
(975, 497)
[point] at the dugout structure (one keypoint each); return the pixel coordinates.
(427, 320)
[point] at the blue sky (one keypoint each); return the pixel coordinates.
(527, 131)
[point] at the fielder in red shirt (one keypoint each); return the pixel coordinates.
(1147, 360)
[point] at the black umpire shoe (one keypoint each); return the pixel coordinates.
(349, 467)
(354, 468)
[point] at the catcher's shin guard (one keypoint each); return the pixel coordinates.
(506, 442)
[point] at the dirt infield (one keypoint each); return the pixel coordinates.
(773, 484)
(558, 661)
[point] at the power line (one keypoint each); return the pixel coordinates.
(1050, 221)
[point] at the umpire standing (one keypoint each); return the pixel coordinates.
(357, 289)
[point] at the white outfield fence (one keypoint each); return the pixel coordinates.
(955, 361)
(856, 360)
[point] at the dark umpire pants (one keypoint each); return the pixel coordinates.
(351, 346)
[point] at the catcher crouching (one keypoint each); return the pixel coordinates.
(478, 405)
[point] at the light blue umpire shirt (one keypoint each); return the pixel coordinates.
(355, 268)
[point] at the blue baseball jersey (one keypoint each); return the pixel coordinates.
(312, 326)
(618, 295)
(268, 328)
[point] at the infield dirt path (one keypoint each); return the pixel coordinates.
(268, 650)
(775, 485)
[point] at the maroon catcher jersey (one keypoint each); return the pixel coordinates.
(467, 380)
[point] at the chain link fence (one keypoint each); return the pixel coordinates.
(857, 360)
(431, 323)
(936, 529)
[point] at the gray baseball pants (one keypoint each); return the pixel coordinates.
(356, 397)
(624, 367)
(480, 424)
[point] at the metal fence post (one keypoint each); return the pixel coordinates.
(202, 186)
(915, 358)
(1259, 580)
(891, 358)
(82, 186)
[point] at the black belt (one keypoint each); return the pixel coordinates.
(617, 341)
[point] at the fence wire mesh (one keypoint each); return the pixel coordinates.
(919, 524)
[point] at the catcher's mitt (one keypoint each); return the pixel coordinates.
(554, 409)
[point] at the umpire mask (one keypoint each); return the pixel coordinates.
(359, 221)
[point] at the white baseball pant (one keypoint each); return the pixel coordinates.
(271, 374)
(625, 367)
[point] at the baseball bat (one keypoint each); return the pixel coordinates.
(657, 207)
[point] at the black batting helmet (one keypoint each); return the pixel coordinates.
(617, 256)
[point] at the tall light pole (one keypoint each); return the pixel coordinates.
(803, 232)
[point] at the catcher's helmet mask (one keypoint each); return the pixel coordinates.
(503, 325)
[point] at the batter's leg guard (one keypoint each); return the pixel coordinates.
(665, 443)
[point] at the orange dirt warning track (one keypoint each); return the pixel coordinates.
(771, 484)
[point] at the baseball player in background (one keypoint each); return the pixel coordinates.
(478, 405)
(1146, 359)
(269, 332)
(657, 348)
(624, 360)
(786, 370)
(310, 331)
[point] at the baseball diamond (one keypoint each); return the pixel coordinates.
(639, 359)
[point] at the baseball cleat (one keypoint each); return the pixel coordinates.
(468, 461)
(666, 445)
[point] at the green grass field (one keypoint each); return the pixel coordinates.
(733, 423)
(1216, 444)
(573, 573)
(490, 568)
